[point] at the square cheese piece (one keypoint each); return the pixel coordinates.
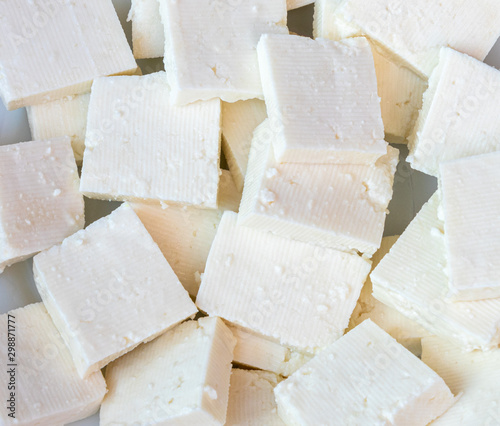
(140, 147)
(341, 206)
(148, 38)
(66, 116)
(181, 378)
(108, 288)
(459, 113)
(296, 293)
(412, 279)
(364, 378)
(40, 384)
(475, 375)
(411, 32)
(321, 96)
(251, 399)
(217, 60)
(52, 49)
(40, 204)
(471, 209)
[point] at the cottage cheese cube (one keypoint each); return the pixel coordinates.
(40, 204)
(51, 49)
(299, 294)
(181, 378)
(458, 117)
(366, 377)
(139, 147)
(322, 98)
(108, 288)
(217, 60)
(148, 38)
(412, 279)
(342, 206)
(40, 373)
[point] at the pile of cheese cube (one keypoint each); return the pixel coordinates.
(263, 294)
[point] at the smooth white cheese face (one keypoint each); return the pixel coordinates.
(321, 96)
(471, 209)
(108, 288)
(148, 38)
(40, 204)
(413, 32)
(47, 388)
(474, 375)
(412, 279)
(342, 206)
(54, 49)
(459, 113)
(364, 378)
(217, 60)
(239, 120)
(251, 399)
(296, 293)
(140, 147)
(181, 378)
(64, 117)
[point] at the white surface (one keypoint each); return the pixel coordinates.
(411, 188)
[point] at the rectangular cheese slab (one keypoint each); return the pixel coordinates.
(52, 49)
(148, 38)
(412, 279)
(40, 384)
(108, 288)
(329, 112)
(140, 147)
(296, 293)
(459, 113)
(181, 378)
(342, 206)
(364, 378)
(40, 204)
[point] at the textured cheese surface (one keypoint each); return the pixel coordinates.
(139, 147)
(412, 279)
(148, 38)
(342, 206)
(470, 188)
(181, 378)
(412, 32)
(109, 288)
(365, 378)
(40, 204)
(52, 49)
(475, 375)
(251, 399)
(299, 294)
(458, 116)
(239, 121)
(321, 96)
(48, 390)
(64, 117)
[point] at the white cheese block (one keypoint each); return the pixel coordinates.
(54, 49)
(40, 385)
(365, 378)
(459, 113)
(181, 378)
(140, 147)
(295, 4)
(148, 38)
(299, 294)
(474, 375)
(412, 32)
(40, 204)
(64, 117)
(342, 206)
(412, 279)
(251, 399)
(239, 121)
(321, 96)
(472, 225)
(108, 288)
